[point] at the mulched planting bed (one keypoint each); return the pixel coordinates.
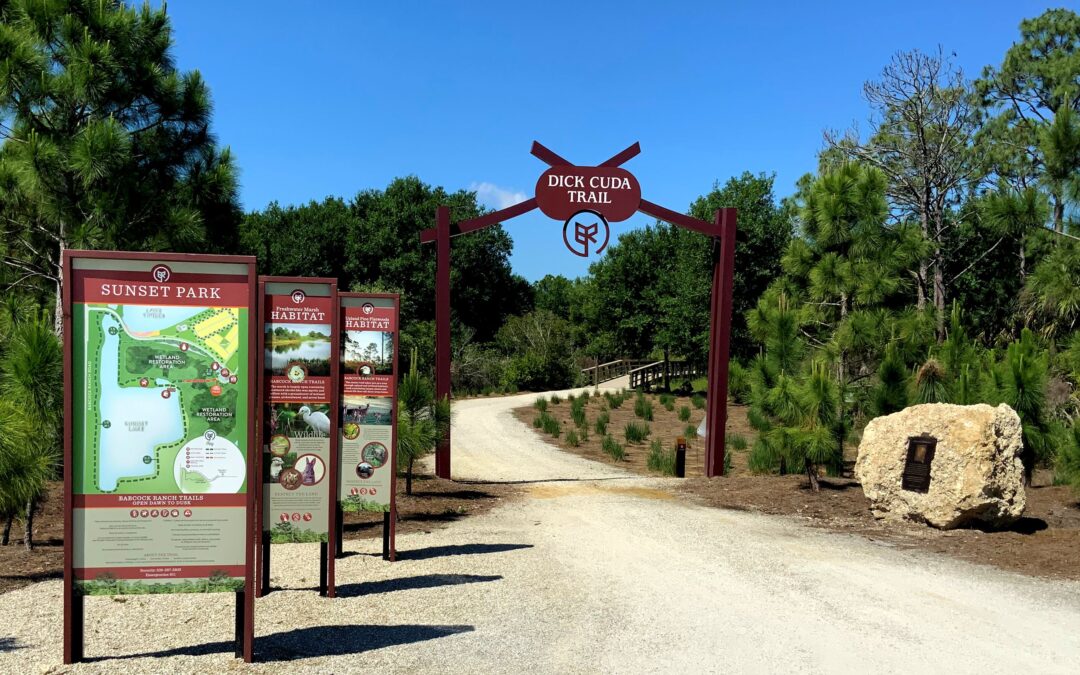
(435, 503)
(665, 426)
(1045, 542)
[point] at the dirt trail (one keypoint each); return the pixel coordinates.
(593, 570)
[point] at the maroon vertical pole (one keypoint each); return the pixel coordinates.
(442, 329)
(719, 342)
(73, 603)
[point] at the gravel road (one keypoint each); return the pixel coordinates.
(593, 570)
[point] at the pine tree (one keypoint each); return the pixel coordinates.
(107, 144)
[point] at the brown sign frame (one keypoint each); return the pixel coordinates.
(327, 567)
(74, 605)
(389, 547)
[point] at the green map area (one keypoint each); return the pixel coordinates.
(160, 399)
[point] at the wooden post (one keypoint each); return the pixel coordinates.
(442, 329)
(719, 339)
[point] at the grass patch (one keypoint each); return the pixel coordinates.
(736, 442)
(572, 439)
(636, 433)
(541, 404)
(690, 431)
(643, 408)
(550, 425)
(684, 413)
(555, 399)
(612, 449)
(601, 423)
(698, 400)
(661, 460)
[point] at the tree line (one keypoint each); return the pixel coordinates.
(931, 256)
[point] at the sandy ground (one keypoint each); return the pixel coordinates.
(593, 570)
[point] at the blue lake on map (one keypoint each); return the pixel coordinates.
(139, 419)
(142, 319)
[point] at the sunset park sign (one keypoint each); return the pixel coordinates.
(586, 199)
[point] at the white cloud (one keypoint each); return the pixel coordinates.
(490, 194)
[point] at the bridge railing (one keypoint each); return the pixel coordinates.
(648, 375)
(602, 372)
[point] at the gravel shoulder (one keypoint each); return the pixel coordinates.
(590, 570)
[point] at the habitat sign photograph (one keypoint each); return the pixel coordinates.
(160, 430)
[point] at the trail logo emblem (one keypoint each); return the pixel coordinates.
(160, 273)
(298, 297)
(591, 231)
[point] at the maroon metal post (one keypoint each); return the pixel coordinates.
(719, 338)
(73, 602)
(442, 329)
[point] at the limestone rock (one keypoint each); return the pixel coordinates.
(975, 474)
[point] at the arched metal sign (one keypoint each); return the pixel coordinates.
(586, 199)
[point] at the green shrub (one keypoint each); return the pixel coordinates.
(669, 406)
(583, 432)
(551, 425)
(684, 413)
(660, 460)
(585, 395)
(727, 463)
(636, 433)
(690, 431)
(570, 398)
(555, 399)
(698, 400)
(738, 383)
(577, 412)
(643, 408)
(614, 400)
(538, 421)
(486, 391)
(762, 459)
(1067, 462)
(601, 423)
(666, 398)
(572, 439)
(735, 442)
(613, 449)
(533, 371)
(541, 404)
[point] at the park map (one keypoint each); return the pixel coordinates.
(160, 393)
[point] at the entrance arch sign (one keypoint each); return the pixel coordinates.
(611, 194)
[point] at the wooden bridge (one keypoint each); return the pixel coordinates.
(643, 372)
(603, 372)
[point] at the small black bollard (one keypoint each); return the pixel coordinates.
(680, 457)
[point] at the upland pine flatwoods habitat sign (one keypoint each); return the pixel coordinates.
(368, 402)
(299, 425)
(159, 424)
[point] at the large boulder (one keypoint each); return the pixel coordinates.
(975, 472)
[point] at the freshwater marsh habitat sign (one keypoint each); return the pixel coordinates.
(299, 329)
(368, 402)
(158, 357)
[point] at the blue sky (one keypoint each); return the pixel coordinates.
(329, 98)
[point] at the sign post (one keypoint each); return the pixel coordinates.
(158, 430)
(369, 358)
(298, 420)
